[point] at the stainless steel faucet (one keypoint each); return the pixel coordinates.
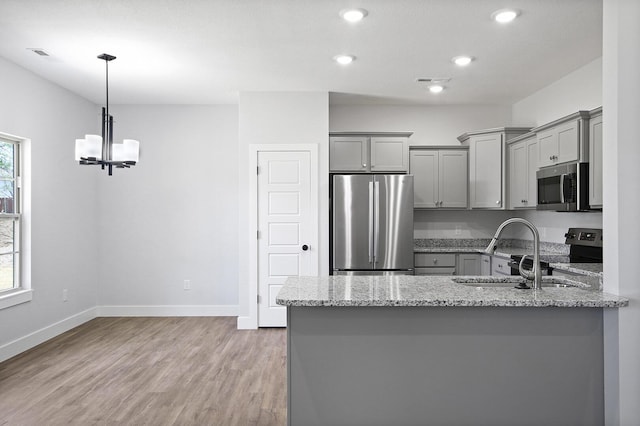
(535, 273)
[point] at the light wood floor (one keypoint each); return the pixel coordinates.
(149, 371)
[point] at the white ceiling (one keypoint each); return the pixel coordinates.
(206, 51)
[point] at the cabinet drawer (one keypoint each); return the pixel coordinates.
(435, 271)
(500, 266)
(435, 260)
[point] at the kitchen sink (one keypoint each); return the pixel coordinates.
(514, 281)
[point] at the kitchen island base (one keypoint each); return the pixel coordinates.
(445, 366)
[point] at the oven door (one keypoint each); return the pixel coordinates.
(557, 188)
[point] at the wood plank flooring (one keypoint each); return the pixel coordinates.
(149, 371)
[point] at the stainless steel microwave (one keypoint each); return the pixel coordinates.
(564, 188)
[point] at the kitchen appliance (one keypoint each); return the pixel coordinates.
(372, 222)
(585, 245)
(564, 187)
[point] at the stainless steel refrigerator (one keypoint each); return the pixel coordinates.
(372, 222)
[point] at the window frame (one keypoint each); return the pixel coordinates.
(21, 291)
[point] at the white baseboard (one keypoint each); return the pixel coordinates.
(31, 340)
(247, 323)
(168, 311)
(11, 349)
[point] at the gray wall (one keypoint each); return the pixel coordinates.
(172, 217)
(621, 110)
(64, 200)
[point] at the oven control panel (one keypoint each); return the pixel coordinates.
(584, 237)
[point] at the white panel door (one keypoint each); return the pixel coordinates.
(287, 227)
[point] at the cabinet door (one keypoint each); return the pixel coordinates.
(531, 198)
(500, 266)
(518, 184)
(485, 167)
(468, 264)
(389, 154)
(595, 162)
(567, 142)
(348, 154)
(424, 168)
(485, 265)
(453, 178)
(547, 148)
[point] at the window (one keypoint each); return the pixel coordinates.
(15, 214)
(10, 214)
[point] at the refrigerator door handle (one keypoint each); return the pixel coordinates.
(376, 218)
(371, 225)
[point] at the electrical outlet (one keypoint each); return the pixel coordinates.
(458, 230)
(187, 284)
(65, 295)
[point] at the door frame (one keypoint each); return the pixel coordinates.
(254, 150)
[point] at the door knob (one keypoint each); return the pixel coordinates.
(305, 247)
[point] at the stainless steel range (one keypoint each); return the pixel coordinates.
(585, 245)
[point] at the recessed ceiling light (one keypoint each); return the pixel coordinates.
(344, 59)
(436, 88)
(353, 15)
(462, 61)
(504, 15)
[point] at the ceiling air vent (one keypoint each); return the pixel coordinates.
(433, 80)
(38, 51)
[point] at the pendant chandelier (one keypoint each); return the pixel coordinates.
(100, 150)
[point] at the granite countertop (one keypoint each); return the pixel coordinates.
(443, 291)
(589, 269)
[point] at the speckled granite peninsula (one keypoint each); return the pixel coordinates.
(440, 291)
(381, 350)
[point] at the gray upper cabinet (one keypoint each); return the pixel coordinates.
(563, 140)
(595, 159)
(440, 177)
(487, 166)
(369, 152)
(349, 153)
(523, 164)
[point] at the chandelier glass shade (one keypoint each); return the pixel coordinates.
(100, 150)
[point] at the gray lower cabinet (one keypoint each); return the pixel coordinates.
(500, 266)
(469, 264)
(485, 265)
(435, 263)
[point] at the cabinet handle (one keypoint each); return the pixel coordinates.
(498, 202)
(551, 157)
(435, 260)
(364, 165)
